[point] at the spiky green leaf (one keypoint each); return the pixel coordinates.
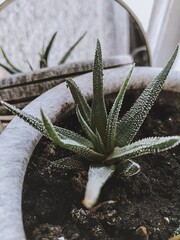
(48, 48)
(133, 119)
(99, 114)
(9, 70)
(101, 145)
(128, 168)
(85, 126)
(17, 70)
(114, 113)
(94, 138)
(67, 54)
(143, 147)
(30, 66)
(80, 100)
(37, 124)
(69, 144)
(68, 134)
(33, 121)
(74, 162)
(42, 62)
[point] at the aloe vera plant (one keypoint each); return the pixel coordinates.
(108, 143)
(44, 55)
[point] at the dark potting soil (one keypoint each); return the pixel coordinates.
(143, 207)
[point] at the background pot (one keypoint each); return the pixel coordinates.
(128, 44)
(18, 140)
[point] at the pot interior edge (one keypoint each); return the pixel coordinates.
(169, 98)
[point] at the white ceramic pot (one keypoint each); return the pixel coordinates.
(18, 140)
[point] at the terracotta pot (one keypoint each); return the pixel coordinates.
(18, 140)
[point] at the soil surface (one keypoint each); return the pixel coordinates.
(143, 207)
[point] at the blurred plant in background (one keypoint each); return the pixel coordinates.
(44, 56)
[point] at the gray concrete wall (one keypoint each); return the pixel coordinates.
(25, 25)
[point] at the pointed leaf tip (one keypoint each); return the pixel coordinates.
(133, 119)
(114, 113)
(67, 54)
(99, 113)
(128, 168)
(98, 43)
(79, 100)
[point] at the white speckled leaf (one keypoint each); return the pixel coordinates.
(143, 147)
(114, 113)
(69, 143)
(37, 124)
(99, 114)
(133, 119)
(79, 100)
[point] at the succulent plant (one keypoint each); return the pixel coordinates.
(44, 55)
(108, 143)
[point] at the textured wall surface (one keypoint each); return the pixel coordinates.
(25, 25)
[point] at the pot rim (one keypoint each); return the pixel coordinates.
(18, 140)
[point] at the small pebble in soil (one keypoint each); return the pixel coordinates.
(142, 232)
(167, 219)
